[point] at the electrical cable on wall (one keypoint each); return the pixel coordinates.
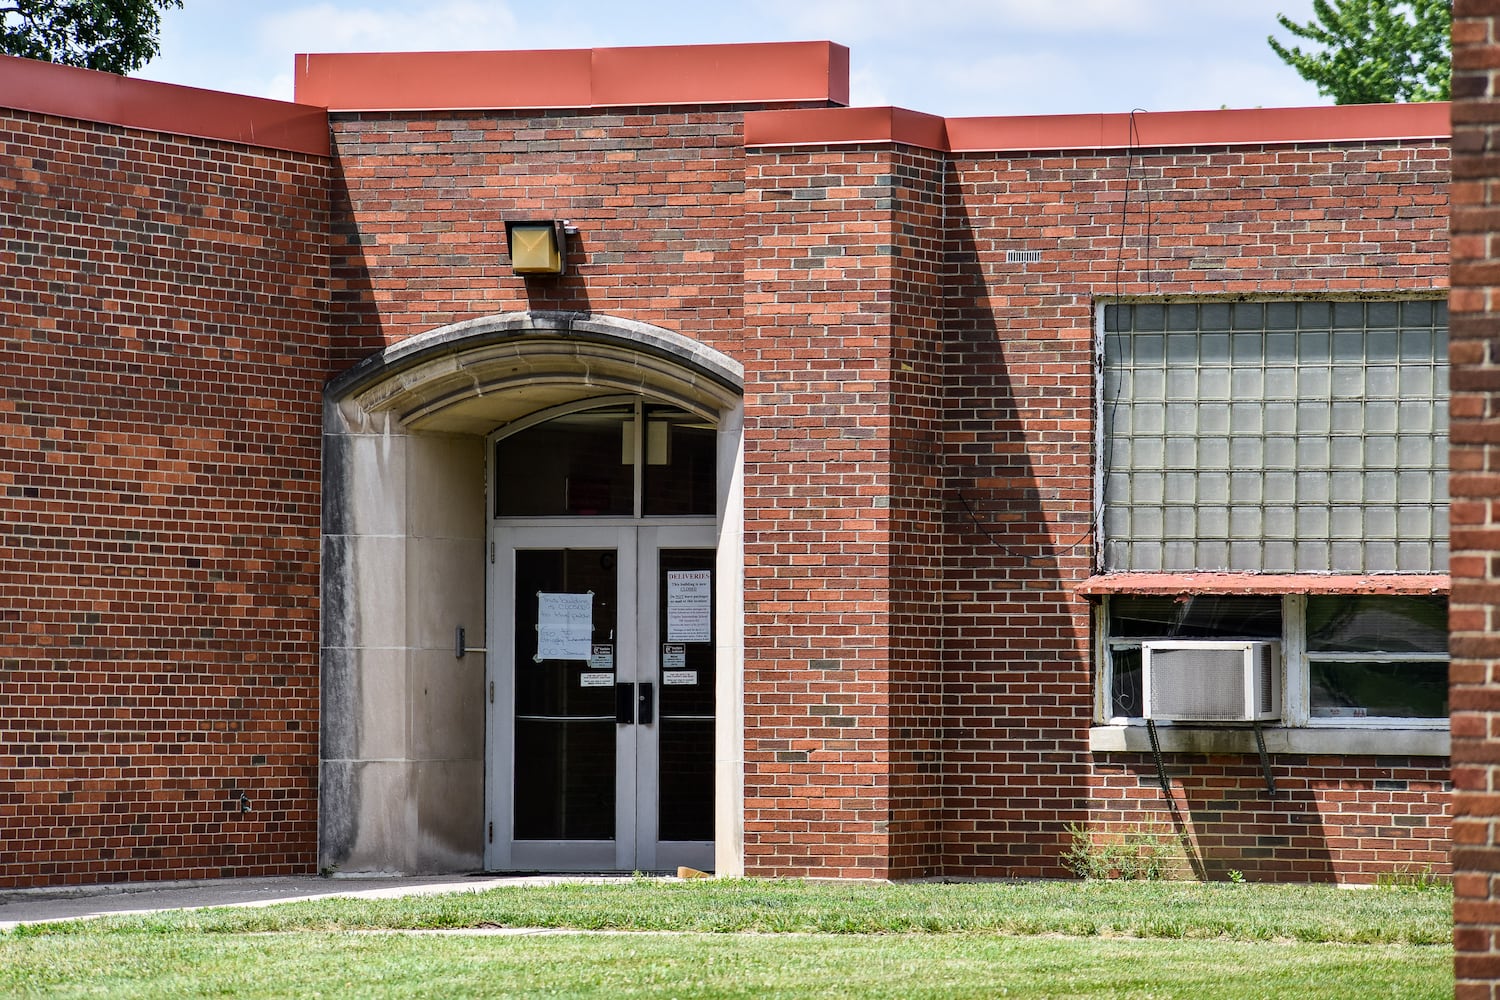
(1010, 549)
(1132, 140)
(1107, 414)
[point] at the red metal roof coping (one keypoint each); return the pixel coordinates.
(758, 73)
(1258, 126)
(89, 95)
(845, 126)
(1263, 583)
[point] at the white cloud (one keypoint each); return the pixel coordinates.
(861, 20)
(1072, 16)
(282, 87)
(248, 48)
(1008, 83)
(448, 25)
(1221, 83)
(867, 89)
(953, 57)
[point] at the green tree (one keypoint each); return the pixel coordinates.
(1374, 51)
(113, 35)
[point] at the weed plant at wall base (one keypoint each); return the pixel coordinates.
(1404, 877)
(1136, 855)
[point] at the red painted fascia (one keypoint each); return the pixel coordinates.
(758, 73)
(89, 95)
(1263, 583)
(845, 126)
(1258, 126)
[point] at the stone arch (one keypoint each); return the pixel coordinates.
(470, 377)
(404, 528)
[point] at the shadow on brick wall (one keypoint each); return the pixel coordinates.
(427, 274)
(1346, 819)
(1018, 515)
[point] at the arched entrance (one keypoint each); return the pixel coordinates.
(564, 490)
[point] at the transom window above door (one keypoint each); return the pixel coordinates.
(620, 458)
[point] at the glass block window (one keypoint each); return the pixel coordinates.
(1275, 437)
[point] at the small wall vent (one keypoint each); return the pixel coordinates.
(1022, 256)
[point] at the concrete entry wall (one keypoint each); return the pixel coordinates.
(402, 771)
(404, 527)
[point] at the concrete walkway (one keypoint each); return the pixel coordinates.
(29, 906)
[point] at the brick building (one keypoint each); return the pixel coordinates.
(1476, 189)
(839, 509)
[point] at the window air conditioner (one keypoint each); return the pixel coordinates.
(1211, 680)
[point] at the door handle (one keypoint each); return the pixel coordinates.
(624, 704)
(646, 702)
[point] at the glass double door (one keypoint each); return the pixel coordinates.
(602, 721)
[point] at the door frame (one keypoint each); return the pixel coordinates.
(636, 846)
(500, 718)
(724, 532)
(653, 538)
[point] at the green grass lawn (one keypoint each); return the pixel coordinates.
(770, 939)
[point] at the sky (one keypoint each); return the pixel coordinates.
(943, 57)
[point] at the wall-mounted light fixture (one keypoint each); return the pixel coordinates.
(538, 246)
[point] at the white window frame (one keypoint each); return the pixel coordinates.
(1296, 676)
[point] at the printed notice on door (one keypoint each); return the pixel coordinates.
(690, 605)
(564, 626)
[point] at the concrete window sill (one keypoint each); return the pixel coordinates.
(1351, 741)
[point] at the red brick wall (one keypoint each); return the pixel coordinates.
(419, 208)
(1475, 349)
(919, 428)
(1019, 393)
(919, 546)
(163, 343)
(843, 266)
(918, 482)
(1254, 221)
(664, 220)
(1332, 819)
(817, 602)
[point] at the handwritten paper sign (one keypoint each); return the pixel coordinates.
(690, 605)
(564, 626)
